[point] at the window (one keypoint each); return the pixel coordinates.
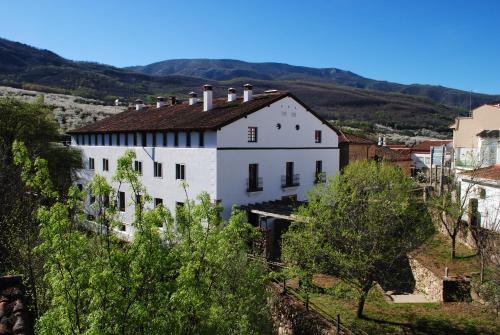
(118, 139)
(77, 139)
(109, 139)
(176, 139)
(180, 171)
(252, 134)
(188, 139)
(178, 205)
(126, 139)
(91, 163)
(95, 139)
(254, 182)
(138, 167)
(317, 136)
(319, 176)
(154, 139)
(80, 187)
(144, 139)
(121, 201)
(158, 202)
(158, 170)
(201, 139)
(83, 139)
(135, 139)
(289, 173)
(102, 139)
(105, 164)
(289, 179)
(165, 139)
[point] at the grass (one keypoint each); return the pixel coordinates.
(383, 317)
(435, 254)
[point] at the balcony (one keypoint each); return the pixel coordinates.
(320, 178)
(254, 184)
(290, 180)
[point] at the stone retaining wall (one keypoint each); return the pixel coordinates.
(290, 316)
(426, 281)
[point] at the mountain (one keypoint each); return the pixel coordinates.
(227, 69)
(333, 93)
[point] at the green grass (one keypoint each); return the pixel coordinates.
(435, 254)
(382, 317)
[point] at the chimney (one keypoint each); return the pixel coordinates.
(139, 104)
(380, 140)
(384, 143)
(160, 101)
(247, 92)
(172, 99)
(231, 94)
(193, 98)
(207, 97)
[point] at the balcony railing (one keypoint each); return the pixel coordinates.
(290, 180)
(254, 185)
(319, 178)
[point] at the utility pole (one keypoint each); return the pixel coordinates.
(441, 172)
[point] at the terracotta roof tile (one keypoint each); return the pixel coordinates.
(426, 145)
(391, 155)
(490, 172)
(354, 139)
(186, 117)
(14, 316)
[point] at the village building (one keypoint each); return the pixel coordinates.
(421, 153)
(353, 147)
(476, 144)
(240, 150)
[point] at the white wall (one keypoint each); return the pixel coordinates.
(421, 160)
(273, 149)
(489, 207)
(200, 172)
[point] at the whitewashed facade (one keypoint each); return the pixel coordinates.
(286, 143)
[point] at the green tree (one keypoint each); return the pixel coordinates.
(359, 225)
(191, 277)
(34, 125)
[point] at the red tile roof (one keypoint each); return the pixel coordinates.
(187, 117)
(490, 172)
(14, 315)
(349, 138)
(391, 155)
(426, 145)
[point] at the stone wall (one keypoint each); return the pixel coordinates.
(290, 316)
(426, 281)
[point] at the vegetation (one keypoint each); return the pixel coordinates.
(357, 226)
(33, 124)
(384, 317)
(191, 277)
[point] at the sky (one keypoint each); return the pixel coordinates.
(454, 43)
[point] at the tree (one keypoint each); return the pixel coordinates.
(193, 276)
(363, 220)
(32, 123)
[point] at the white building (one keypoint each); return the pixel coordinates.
(481, 183)
(241, 150)
(421, 153)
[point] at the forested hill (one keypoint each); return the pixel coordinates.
(335, 94)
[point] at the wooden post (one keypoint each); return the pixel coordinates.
(441, 171)
(338, 324)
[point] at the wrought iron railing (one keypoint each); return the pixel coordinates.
(290, 180)
(254, 184)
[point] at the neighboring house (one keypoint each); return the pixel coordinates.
(466, 145)
(421, 153)
(239, 150)
(354, 147)
(482, 187)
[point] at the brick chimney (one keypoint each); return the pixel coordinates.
(207, 97)
(231, 94)
(160, 101)
(172, 99)
(193, 98)
(247, 92)
(139, 104)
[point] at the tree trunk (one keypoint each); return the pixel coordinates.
(453, 246)
(481, 271)
(361, 303)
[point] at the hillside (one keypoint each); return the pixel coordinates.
(227, 69)
(331, 92)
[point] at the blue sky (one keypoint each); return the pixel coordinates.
(453, 43)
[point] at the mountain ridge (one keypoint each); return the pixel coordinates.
(26, 67)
